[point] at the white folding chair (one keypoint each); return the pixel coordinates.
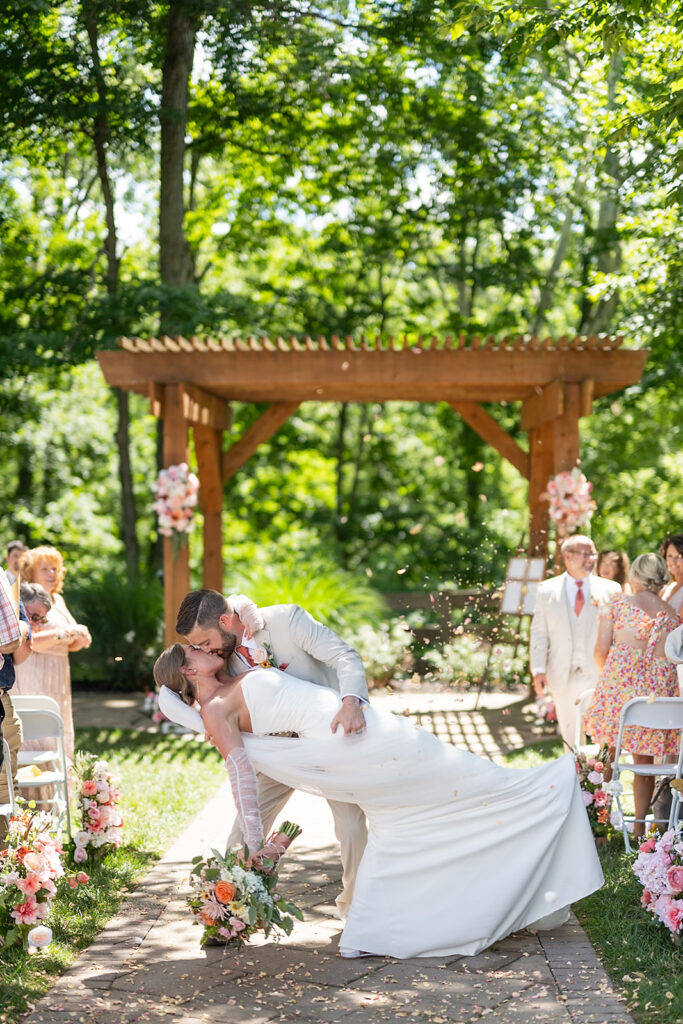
(36, 701)
(652, 713)
(38, 724)
(7, 809)
(583, 702)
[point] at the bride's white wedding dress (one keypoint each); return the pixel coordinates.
(460, 852)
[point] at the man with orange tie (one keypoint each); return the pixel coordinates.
(564, 630)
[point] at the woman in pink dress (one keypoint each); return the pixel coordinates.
(630, 655)
(55, 635)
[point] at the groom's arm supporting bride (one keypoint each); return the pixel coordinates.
(287, 637)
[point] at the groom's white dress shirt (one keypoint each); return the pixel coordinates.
(562, 643)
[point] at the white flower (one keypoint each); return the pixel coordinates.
(613, 788)
(40, 936)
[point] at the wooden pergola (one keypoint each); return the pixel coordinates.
(190, 383)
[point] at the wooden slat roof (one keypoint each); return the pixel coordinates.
(364, 368)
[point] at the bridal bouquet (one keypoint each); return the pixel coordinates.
(30, 868)
(233, 902)
(571, 504)
(98, 799)
(659, 869)
(594, 789)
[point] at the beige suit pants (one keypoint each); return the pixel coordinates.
(566, 705)
(11, 731)
(349, 826)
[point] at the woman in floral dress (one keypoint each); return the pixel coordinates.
(630, 655)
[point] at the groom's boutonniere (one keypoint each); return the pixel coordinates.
(263, 656)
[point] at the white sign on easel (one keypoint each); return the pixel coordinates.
(521, 584)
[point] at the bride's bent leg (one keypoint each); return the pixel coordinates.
(352, 832)
(272, 797)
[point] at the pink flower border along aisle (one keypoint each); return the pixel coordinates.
(31, 875)
(176, 492)
(98, 798)
(659, 869)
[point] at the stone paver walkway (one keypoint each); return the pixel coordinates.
(147, 964)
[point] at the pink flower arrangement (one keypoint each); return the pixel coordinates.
(175, 491)
(98, 797)
(231, 902)
(571, 505)
(659, 869)
(596, 799)
(30, 868)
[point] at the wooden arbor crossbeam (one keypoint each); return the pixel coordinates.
(191, 381)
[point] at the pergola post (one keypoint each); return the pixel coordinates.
(176, 567)
(207, 446)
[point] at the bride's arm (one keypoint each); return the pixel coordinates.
(222, 723)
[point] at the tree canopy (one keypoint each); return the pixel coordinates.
(195, 166)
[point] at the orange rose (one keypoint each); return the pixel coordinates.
(206, 918)
(224, 892)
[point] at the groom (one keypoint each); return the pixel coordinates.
(286, 637)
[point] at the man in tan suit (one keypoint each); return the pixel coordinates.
(287, 637)
(564, 630)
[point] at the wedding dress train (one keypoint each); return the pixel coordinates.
(460, 851)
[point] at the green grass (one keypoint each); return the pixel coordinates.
(164, 780)
(635, 949)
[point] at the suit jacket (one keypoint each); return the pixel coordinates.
(303, 647)
(555, 636)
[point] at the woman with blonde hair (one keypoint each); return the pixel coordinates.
(630, 655)
(54, 635)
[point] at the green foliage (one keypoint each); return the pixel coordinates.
(125, 617)
(338, 599)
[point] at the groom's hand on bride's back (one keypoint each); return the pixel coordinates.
(350, 717)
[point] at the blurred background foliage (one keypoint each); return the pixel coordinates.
(485, 168)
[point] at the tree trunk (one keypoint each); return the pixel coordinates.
(175, 257)
(100, 137)
(598, 316)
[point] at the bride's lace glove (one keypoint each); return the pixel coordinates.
(244, 790)
(248, 613)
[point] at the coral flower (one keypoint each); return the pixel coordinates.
(224, 892)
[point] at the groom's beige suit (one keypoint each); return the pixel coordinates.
(300, 645)
(562, 643)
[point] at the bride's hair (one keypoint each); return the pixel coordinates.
(167, 672)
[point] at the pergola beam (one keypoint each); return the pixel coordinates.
(491, 431)
(420, 375)
(265, 426)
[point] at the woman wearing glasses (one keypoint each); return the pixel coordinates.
(54, 635)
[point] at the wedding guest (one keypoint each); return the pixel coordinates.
(15, 550)
(13, 636)
(672, 551)
(56, 634)
(630, 656)
(564, 629)
(614, 565)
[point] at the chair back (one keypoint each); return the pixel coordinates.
(35, 702)
(37, 724)
(653, 713)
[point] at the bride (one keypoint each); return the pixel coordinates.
(461, 852)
